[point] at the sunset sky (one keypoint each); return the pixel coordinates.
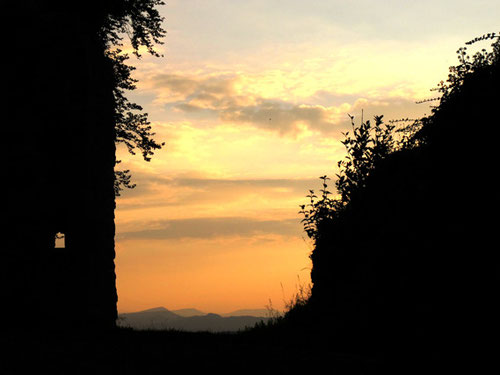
(251, 98)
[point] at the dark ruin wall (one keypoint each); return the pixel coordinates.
(59, 154)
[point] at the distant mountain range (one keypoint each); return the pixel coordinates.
(192, 319)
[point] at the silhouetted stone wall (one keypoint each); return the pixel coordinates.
(59, 156)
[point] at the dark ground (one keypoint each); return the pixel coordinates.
(124, 351)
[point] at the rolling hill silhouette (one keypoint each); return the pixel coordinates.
(191, 320)
(188, 312)
(249, 312)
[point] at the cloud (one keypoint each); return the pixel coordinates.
(198, 89)
(224, 96)
(234, 98)
(156, 191)
(238, 183)
(213, 227)
(281, 116)
(175, 83)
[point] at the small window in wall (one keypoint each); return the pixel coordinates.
(60, 241)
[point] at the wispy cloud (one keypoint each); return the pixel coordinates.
(158, 191)
(213, 227)
(225, 98)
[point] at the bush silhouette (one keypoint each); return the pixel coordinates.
(403, 255)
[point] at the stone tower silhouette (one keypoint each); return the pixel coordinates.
(59, 156)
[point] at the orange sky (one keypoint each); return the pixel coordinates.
(251, 99)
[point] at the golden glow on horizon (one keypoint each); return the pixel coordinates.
(222, 274)
(213, 222)
(218, 279)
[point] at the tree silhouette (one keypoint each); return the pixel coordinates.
(141, 22)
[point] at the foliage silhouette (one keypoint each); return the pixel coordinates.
(369, 145)
(141, 22)
(402, 256)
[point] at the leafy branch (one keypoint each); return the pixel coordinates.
(140, 21)
(366, 146)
